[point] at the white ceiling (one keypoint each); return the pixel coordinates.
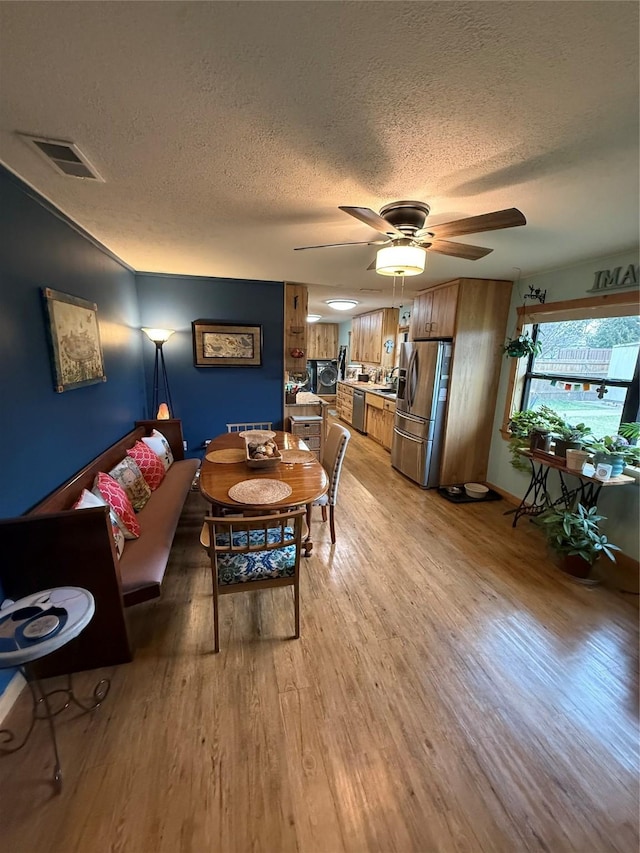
(228, 133)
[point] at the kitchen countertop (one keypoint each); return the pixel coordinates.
(370, 387)
(306, 398)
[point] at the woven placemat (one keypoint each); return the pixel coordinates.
(259, 491)
(227, 454)
(298, 456)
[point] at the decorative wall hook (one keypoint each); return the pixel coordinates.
(536, 293)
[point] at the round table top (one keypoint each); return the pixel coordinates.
(308, 481)
(80, 607)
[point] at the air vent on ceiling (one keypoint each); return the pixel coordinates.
(370, 290)
(65, 157)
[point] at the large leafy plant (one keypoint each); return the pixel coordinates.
(521, 425)
(576, 532)
(563, 429)
(617, 445)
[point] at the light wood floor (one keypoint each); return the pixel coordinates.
(451, 692)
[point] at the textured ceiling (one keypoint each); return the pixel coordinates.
(228, 133)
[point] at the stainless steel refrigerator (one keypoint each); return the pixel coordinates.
(423, 378)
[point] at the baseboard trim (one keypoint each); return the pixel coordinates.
(10, 695)
(512, 499)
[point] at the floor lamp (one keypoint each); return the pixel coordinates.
(161, 404)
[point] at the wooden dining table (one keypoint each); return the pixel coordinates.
(307, 480)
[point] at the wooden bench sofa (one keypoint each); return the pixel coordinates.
(55, 545)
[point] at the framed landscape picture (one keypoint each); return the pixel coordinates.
(218, 344)
(74, 338)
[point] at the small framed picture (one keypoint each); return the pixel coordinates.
(74, 338)
(217, 344)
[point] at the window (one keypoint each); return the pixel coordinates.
(587, 344)
(587, 371)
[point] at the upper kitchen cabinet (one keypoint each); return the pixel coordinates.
(295, 327)
(369, 335)
(434, 312)
(322, 341)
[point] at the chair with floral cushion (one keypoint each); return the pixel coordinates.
(332, 458)
(254, 552)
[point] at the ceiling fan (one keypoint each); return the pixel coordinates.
(403, 224)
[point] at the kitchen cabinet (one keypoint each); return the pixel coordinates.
(344, 402)
(322, 341)
(473, 312)
(295, 328)
(369, 333)
(434, 313)
(380, 417)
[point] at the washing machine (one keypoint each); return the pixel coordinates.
(327, 377)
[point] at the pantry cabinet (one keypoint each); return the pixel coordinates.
(369, 334)
(473, 312)
(322, 340)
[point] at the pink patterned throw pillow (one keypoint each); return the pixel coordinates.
(149, 463)
(116, 497)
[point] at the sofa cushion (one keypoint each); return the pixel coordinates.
(127, 473)
(116, 497)
(149, 463)
(160, 446)
(89, 500)
(144, 560)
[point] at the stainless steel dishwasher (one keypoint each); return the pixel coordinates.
(358, 410)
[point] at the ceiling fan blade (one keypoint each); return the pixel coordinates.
(374, 220)
(509, 218)
(333, 245)
(458, 250)
(372, 265)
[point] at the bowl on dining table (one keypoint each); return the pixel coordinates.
(262, 452)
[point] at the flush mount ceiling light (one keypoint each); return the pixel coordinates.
(400, 260)
(313, 318)
(342, 304)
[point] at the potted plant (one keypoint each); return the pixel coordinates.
(615, 450)
(529, 431)
(521, 346)
(568, 436)
(574, 535)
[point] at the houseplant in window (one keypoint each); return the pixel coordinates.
(615, 450)
(529, 430)
(521, 346)
(575, 536)
(567, 436)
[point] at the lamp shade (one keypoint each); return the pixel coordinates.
(400, 260)
(158, 336)
(163, 413)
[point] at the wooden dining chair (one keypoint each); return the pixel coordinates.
(247, 426)
(254, 552)
(335, 448)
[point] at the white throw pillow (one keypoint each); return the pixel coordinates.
(88, 500)
(160, 446)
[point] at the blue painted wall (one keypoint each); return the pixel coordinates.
(47, 437)
(207, 398)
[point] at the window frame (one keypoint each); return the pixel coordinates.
(624, 304)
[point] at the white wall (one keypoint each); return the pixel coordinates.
(619, 504)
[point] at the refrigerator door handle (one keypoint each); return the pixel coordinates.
(411, 378)
(409, 437)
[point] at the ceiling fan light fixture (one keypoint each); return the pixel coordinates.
(342, 304)
(313, 318)
(400, 260)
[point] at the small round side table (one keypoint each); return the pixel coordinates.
(44, 622)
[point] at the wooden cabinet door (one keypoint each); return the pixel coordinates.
(421, 317)
(375, 338)
(443, 312)
(295, 327)
(322, 340)
(356, 339)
